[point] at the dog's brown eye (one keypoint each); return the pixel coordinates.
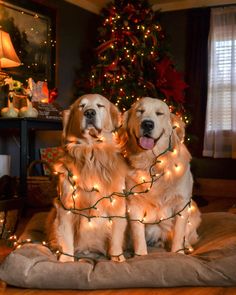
(140, 111)
(159, 113)
(81, 106)
(100, 106)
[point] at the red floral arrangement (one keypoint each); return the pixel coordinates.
(169, 81)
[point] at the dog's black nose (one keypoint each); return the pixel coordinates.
(147, 125)
(90, 113)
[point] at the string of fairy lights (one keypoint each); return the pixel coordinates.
(132, 192)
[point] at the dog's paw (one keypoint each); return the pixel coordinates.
(120, 258)
(65, 258)
(141, 252)
(182, 251)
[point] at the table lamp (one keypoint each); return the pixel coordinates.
(8, 56)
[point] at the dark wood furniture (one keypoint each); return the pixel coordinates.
(26, 128)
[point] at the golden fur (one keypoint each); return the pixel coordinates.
(92, 155)
(148, 131)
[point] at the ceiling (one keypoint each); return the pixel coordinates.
(164, 5)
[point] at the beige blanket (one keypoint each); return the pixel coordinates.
(213, 263)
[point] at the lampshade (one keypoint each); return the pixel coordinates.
(8, 56)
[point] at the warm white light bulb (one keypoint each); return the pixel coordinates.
(96, 186)
(113, 201)
(190, 249)
(143, 179)
(75, 196)
(90, 223)
(168, 173)
(177, 168)
(174, 152)
(191, 208)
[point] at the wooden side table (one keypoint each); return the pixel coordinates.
(26, 127)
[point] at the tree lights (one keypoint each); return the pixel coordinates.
(131, 58)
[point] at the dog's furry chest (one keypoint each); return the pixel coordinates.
(97, 165)
(98, 173)
(161, 189)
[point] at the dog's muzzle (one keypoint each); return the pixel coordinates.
(90, 115)
(146, 141)
(147, 126)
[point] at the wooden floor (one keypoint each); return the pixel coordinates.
(146, 291)
(217, 205)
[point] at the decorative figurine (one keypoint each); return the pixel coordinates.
(10, 111)
(29, 110)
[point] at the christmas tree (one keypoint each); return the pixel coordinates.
(131, 58)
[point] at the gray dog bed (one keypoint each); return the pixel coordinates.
(213, 263)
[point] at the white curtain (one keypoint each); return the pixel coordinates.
(220, 130)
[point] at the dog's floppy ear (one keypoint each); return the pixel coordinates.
(125, 119)
(179, 126)
(71, 124)
(115, 116)
(122, 131)
(65, 119)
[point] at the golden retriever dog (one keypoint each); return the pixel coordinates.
(89, 216)
(160, 184)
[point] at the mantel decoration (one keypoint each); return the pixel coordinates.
(33, 100)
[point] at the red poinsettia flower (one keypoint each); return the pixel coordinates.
(169, 81)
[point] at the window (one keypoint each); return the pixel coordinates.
(220, 130)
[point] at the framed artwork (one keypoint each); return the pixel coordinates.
(32, 31)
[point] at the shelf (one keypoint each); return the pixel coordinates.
(26, 126)
(31, 123)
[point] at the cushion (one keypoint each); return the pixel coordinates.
(213, 263)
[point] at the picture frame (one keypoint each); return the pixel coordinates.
(32, 30)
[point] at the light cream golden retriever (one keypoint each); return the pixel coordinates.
(88, 216)
(160, 183)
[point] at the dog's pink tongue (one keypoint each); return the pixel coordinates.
(146, 143)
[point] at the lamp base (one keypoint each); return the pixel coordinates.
(3, 76)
